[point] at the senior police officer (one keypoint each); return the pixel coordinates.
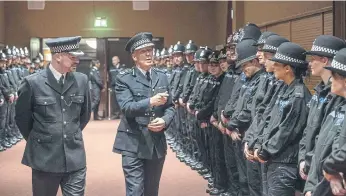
(144, 98)
(52, 110)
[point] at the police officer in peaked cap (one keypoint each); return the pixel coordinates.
(55, 150)
(144, 97)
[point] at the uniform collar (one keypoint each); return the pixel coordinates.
(143, 71)
(57, 75)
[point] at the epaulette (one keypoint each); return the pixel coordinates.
(158, 70)
(125, 72)
(299, 92)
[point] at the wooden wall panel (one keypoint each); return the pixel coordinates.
(282, 29)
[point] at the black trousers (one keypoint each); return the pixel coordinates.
(142, 176)
(47, 184)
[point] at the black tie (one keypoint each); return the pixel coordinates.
(148, 76)
(61, 81)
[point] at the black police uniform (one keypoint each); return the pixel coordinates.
(97, 86)
(113, 72)
(52, 125)
(322, 103)
(286, 125)
(140, 148)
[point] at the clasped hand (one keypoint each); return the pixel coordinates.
(157, 125)
(159, 99)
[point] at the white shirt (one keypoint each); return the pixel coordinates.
(57, 75)
(144, 72)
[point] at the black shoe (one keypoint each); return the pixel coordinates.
(207, 176)
(216, 191)
(12, 141)
(210, 185)
(2, 148)
(211, 180)
(98, 118)
(226, 194)
(6, 144)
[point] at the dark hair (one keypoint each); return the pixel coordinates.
(95, 62)
(300, 72)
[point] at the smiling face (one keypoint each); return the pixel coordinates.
(143, 57)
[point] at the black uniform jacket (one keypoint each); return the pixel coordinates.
(51, 119)
(286, 125)
(133, 93)
(328, 135)
(321, 104)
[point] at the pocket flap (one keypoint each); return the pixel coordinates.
(45, 100)
(77, 99)
(41, 138)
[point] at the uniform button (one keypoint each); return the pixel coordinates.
(38, 140)
(62, 97)
(65, 136)
(45, 103)
(63, 110)
(127, 130)
(64, 122)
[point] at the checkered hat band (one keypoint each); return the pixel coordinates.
(140, 43)
(245, 60)
(222, 56)
(338, 65)
(288, 58)
(64, 48)
(269, 47)
(323, 49)
(261, 41)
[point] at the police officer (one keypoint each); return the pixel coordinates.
(334, 164)
(52, 110)
(322, 102)
(279, 150)
(3, 92)
(144, 96)
(97, 87)
(115, 69)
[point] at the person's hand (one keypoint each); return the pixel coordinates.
(248, 154)
(157, 125)
(301, 170)
(337, 186)
(159, 99)
(308, 193)
(181, 102)
(222, 128)
(223, 118)
(258, 158)
(204, 125)
(2, 101)
(212, 119)
(11, 99)
(235, 135)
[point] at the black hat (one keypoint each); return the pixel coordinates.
(339, 63)
(65, 45)
(157, 54)
(140, 40)
(214, 57)
(164, 53)
(250, 31)
(292, 54)
(190, 47)
(198, 54)
(246, 51)
(36, 60)
(223, 54)
(234, 38)
(7, 51)
(26, 51)
(205, 54)
(326, 46)
(170, 50)
(178, 48)
(272, 43)
(265, 35)
(3, 57)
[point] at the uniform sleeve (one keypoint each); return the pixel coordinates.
(23, 109)
(169, 109)
(303, 141)
(288, 130)
(180, 85)
(207, 109)
(312, 179)
(86, 108)
(99, 80)
(127, 103)
(335, 162)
